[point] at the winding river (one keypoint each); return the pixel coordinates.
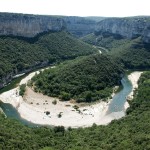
(116, 105)
(118, 101)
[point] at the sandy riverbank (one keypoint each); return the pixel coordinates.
(35, 107)
(133, 77)
(12, 96)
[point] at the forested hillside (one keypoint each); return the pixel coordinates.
(131, 132)
(18, 54)
(84, 79)
(132, 53)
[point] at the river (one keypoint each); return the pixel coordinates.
(116, 105)
(119, 99)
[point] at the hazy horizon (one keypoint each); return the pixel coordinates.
(88, 8)
(74, 16)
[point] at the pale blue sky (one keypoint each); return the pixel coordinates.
(109, 8)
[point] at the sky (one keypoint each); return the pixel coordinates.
(107, 8)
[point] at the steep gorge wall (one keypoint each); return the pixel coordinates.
(31, 25)
(28, 25)
(79, 26)
(131, 27)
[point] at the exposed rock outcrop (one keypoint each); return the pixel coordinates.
(130, 27)
(79, 26)
(31, 25)
(28, 25)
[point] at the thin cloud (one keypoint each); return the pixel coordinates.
(109, 8)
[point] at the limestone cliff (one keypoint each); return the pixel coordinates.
(79, 26)
(130, 27)
(28, 25)
(31, 25)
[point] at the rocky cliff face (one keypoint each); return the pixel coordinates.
(28, 25)
(126, 27)
(146, 34)
(79, 26)
(31, 25)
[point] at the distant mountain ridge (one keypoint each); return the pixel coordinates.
(30, 25)
(129, 27)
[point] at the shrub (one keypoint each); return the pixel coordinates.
(54, 102)
(22, 89)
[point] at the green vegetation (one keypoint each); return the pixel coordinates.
(91, 39)
(84, 79)
(132, 53)
(129, 133)
(14, 83)
(54, 102)
(22, 89)
(18, 53)
(141, 96)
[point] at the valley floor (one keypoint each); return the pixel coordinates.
(40, 109)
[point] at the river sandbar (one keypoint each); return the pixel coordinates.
(40, 109)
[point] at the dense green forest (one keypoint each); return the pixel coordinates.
(18, 53)
(132, 53)
(129, 133)
(84, 79)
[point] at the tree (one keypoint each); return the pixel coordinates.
(65, 96)
(88, 96)
(22, 89)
